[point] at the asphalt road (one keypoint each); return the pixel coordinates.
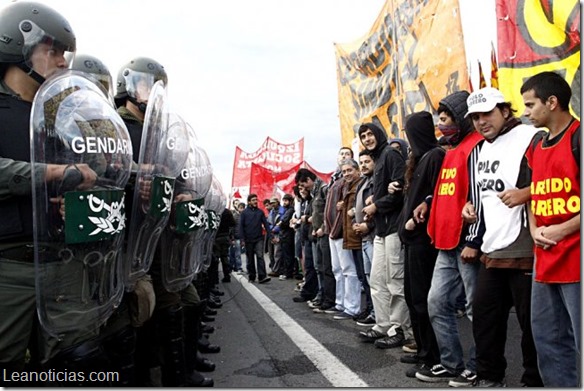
(267, 340)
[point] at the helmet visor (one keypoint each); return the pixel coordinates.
(42, 52)
(139, 84)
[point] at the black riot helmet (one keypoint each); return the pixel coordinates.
(24, 25)
(135, 80)
(96, 68)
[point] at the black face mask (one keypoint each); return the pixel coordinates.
(141, 105)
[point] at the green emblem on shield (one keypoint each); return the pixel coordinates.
(189, 216)
(91, 216)
(161, 196)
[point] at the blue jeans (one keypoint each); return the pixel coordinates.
(555, 324)
(235, 255)
(451, 277)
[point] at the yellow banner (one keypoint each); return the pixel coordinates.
(411, 58)
(537, 36)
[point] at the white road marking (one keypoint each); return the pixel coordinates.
(337, 373)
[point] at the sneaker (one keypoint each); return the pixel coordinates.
(273, 274)
(368, 321)
(314, 303)
(465, 379)
(322, 309)
(435, 374)
(264, 280)
(343, 316)
(361, 315)
(410, 359)
(333, 310)
(410, 346)
(393, 341)
(489, 383)
(411, 372)
(371, 335)
(300, 299)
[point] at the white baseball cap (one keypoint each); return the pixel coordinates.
(484, 100)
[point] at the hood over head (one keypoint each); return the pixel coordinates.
(420, 131)
(379, 134)
(456, 104)
(403, 144)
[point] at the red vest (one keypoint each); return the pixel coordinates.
(555, 198)
(450, 195)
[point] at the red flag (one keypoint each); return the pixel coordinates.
(494, 68)
(482, 81)
(237, 194)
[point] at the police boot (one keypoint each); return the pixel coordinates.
(147, 353)
(81, 360)
(194, 358)
(174, 371)
(120, 349)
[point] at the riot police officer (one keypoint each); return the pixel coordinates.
(34, 44)
(134, 83)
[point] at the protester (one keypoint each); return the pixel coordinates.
(554, 222)
(251, 223)
(392, 317)
(422, 171)
(456, 266)
(505, 273)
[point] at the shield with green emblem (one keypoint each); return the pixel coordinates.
(81, 156)
(163, 152)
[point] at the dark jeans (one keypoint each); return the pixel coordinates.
(419, 261)
(329, 284)
(358, 259)
(310, 288)
(255, 253)
(287, 246)
(497, 290)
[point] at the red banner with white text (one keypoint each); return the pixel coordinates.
(272, 155)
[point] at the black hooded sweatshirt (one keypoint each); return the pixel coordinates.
(428, 156)
(389, 167)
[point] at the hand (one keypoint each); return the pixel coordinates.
(183, 197)
(544, 236)
(469, 255)
(410, 224)
(145, 189)
(469, 213)
(351, 212)
(393, 187)
(420, 213)
(59, 200)
(340, 205)
(319, 233)
(515, 197)
(370, 210)
(89, 176)
(369, 200)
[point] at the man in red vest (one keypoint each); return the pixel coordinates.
(555, 228)
(456, 266)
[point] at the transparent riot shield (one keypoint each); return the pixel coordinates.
(182, 237)
(214, 209)
(81, 156)
(163, 152)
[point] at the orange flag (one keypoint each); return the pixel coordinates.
(494, 68)
(482, 81)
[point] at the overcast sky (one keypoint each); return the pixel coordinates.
(242, 70)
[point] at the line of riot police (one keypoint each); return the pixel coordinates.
(104, 242)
